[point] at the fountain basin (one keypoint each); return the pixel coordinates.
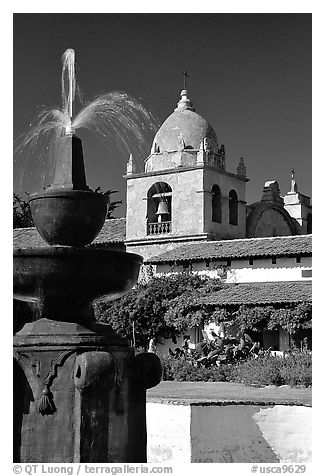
(68, 217)
(64, 281)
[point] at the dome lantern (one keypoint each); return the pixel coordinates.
(184, 103)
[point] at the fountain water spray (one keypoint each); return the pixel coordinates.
(117, 119)
(68, 69)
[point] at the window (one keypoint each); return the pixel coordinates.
(216, 204)
(273, 260)
(233, 208)
(187, 266)
(306, 273)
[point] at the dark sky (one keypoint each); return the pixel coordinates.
(250, 78)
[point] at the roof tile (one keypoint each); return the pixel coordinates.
(238, 248)
(113, 231)
(260, 293)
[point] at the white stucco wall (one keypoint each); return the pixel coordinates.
(288, 430)
(168, 430)
(240, 271)
(228, 433)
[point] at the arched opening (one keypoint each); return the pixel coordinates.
(159, 208)
(233, 208)
(216, 204)
(309, 223)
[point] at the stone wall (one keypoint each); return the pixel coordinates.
(226, 182)
(191, 208)
(185, 201)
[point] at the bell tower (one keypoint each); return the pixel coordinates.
(184, 194)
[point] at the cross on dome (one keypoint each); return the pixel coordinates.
(186, 75)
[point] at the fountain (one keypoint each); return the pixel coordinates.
(79, 389)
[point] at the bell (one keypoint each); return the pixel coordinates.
(162, 208)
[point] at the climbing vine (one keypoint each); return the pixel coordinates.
(290, 316)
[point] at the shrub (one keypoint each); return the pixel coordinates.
(294, 370)
(186, 369)
(262, 371)
(298, 369)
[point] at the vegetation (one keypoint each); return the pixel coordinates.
(165, 306)
(293, 370)
(185, 369)
(112, 204)
(290, 316)
(22, 217)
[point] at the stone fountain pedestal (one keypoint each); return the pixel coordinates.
(80, 394)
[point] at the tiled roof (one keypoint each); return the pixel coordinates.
(239, 249)
(260, 293)
(27, 238)
(113, 231)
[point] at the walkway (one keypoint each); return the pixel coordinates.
(220, 393)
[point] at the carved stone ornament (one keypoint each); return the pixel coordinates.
(41, 368)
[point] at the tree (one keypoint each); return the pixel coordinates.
(22, 217)
(161, 308)
(112, 205)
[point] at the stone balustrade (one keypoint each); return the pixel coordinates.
(159, 228)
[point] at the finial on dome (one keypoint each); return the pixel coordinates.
(185, 102)
(201, 155)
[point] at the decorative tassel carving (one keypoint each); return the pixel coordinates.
(45, 369)
(45, 404)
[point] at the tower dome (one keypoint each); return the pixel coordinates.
(183, 134)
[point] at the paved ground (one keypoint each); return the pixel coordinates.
(221, 393)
